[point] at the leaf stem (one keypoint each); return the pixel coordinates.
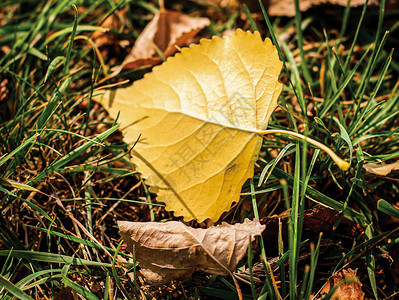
(342, 164)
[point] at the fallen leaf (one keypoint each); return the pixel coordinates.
(258, 267)
(173, 251)
(316, 219)
(166, 30)
(346, 291)
(112, 22)
(287, 7)
(65, 293)
(198, 115)
(319, 219)
(381, 170)
(224, 3)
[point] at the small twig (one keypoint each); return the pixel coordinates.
(239, 293)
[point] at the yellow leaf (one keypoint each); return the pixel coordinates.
(198, 115)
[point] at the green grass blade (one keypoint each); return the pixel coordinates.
(77, 240)
(251, 20)
(17, 185)
(250, 265)
(281, 254)
(363, 247)
(221, 294)
(26, 143)
(344, 22)
(75, 134)
(51, 106)
(356, 35)
(23, 282)
(73, 154)
(327, 106)
(293, 241)
(387, 208)
(374, 54)
(276, 44)
(11, 288)
(297, 86)
(107, 286)
(53, 258)
(269, 283)
(78, 288)
(371, 264)
(73, 33)
(272, 164)
(314, 256)
(56, 63)
(322, 199)
(67, 30)
(345, 136)
(298, 25)
(358, 119)
(304, 282)
(116, 275)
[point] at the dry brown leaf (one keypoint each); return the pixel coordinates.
(287, 7)
(65, 293)
(319, 218)
(316, 219)
(172, 251)
(113, 22)
(224, 3)
(346, 291)
(381, 170)
(166, 30)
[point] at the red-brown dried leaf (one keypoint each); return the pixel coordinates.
(287, 7)
(317, 219)
(166, 30)
(320, 218)
(112, 22)
(346, 291)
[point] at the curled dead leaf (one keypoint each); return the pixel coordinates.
(316, 219)
(381, 170)
(346, 291)
(173, 251)
(112, 22)
(287, 7)
(165, 31)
